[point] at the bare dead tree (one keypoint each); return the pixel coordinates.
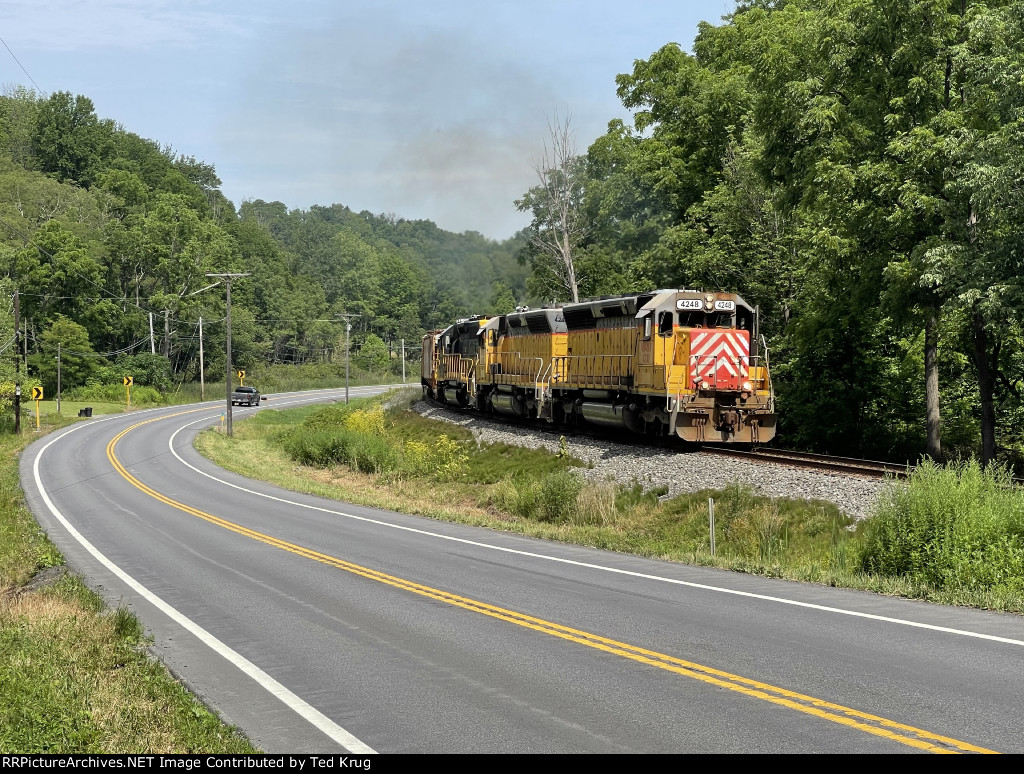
(556, 203)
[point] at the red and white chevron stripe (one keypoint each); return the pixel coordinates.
(719, 357)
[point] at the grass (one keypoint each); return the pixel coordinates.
(74, 676)
(541, 494)
(76, 679)
(69, 409)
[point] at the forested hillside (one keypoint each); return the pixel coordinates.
(857, 170)
(104, 233)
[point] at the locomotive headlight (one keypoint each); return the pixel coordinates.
(747, 387)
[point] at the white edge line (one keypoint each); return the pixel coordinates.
(616, 570)
(300, 707)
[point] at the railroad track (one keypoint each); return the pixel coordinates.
(845, 465)
(842, 465)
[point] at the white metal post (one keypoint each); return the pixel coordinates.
(711, 522)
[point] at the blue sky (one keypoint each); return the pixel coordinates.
(432, 110)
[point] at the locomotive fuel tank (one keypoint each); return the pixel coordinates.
(610, 415)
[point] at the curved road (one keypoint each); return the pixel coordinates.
(317, 626)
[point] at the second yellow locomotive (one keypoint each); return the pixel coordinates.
(665, 362)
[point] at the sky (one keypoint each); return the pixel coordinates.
(425, 110)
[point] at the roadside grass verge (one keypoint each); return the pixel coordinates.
(75, 677)
(396, 459)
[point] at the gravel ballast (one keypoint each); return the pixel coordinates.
(679, 471)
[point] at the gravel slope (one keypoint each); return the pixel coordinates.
(679, 471)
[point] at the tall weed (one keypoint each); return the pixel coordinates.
(959, 527)
(321, 447)
(595, 505)
(368, 421)
(559, 492)
(450, 459)
(552, 497)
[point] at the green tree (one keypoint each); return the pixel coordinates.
(373, 354)
(883, 131)
(503, 300)
(18, 111)
(70, 142)
(559, 224)
(78, 361)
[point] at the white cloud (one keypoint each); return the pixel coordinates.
(95, 25)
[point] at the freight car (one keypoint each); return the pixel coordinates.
(665, 362)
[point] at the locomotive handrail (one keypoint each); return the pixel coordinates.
(768, 376)
(455, 367)
(592, 371)
(542, 385)
(514, 369)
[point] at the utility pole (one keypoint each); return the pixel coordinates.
(348, 326)
(202, 379)
(167, 334)
(403, 361)
(227, 278)
(58, 377)
(17, 365)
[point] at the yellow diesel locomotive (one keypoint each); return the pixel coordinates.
(664, 362)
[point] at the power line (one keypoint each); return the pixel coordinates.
(22, 67)
(43, 348)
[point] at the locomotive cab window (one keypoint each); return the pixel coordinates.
(744, 320)
(647, 328)
(691, 319)
(720, 320)
(665, 322)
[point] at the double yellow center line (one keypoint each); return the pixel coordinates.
(835, 713)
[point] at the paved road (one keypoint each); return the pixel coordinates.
(318, 626)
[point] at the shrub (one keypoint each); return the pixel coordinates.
(960, 527)
(552, 497)
(372, 454)
(146, 369)
(517, 496)
(115, 393)
(319, 447)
